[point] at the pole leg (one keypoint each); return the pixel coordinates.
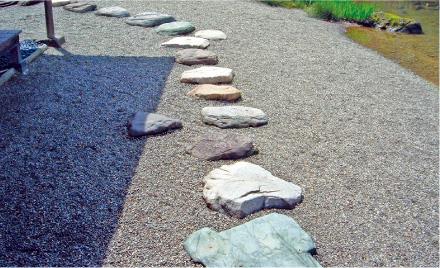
(53, 40)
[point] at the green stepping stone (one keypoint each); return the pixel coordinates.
(274, 240)
(175, 28)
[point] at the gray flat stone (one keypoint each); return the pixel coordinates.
(208, 75)
(244, 188)
(234, 116)
(60, 3)
(222, 147)
(211, 34)
(150, 123)
(175, 28)
(149, 19)
(186, 42)
(115, 11)
(274, 240)
(80, 7)
(191, 56)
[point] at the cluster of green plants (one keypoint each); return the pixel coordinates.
(348, 10)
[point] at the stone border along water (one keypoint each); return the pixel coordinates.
(254, 196)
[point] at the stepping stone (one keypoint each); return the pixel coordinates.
(233, 116)
(175, 28)
(191, 56)
(211, 34)
(222, 147)
(187, 42)
(59, 3)
(149, 19)
(81, 7)
(208, 75)
(117, 12)
(150, 123)
(243, 188)
(215, 92)
(274, 240)
(30, 2)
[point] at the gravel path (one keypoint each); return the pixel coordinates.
(358, 132)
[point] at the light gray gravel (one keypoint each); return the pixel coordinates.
(358, 132)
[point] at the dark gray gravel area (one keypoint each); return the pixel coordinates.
(358, 132)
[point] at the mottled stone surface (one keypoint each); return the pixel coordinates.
(186, 42)
(60, 3)
(215, 92)
(80, 7)
(234, 116)
(149, 19)
(243, 188)
(208, 75)
(175, 28)
(274, 240)
(191, 56)
(222, 147)
(211, 34)
(115, 11)
(150, 123)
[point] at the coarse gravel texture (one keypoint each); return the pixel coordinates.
(358, 132)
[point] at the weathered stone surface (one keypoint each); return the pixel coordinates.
(80, 7)
(175, 28)
(191, 56)
(150, 123)
(59, 3)
(211, 34)
(187, 42)
(274, 240)
(29, 2)
(215, 92)
(115, 11)
(222, 147)
(233, 116)
(243, 188)
(149, 19)
(208, 75)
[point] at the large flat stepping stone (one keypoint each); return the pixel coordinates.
(60, 3)
(187, 42)
(192, 56)
(81, 7)
(151, 123)
(215, 92)
(149, 19)
(222, 147)
(243, 188)
(208, 75)
(234, 116)
(274, 240)
(117, 12)
(175, 28)
(211, 34)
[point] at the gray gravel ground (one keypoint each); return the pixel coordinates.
(358, 132)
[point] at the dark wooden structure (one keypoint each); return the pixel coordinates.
(10, 49)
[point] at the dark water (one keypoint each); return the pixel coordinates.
(418, 53)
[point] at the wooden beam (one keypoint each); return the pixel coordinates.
(53, 40)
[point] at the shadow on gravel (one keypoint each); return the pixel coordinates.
(66, 161)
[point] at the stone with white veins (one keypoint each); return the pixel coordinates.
(234, 116)
(243, 188)
(211, 34)
(193, 56)
(208, 75)
(149, 19)
(115, 11)
(186, 42)
(144, 123)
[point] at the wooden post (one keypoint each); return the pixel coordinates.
(53, 40)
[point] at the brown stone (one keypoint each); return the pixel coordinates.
(215, 92)
(192, 56)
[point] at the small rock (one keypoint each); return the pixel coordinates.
(208, 75)
(412, 28)
(187, 42)
(191, 56)
(175, 28)
(150, 123)
(81, 7)
(149, 19)
(222, 147)
(30, 2)
(243, 188)
(233, 116)
(274, 240)
(215, 92)
(117, 12)
(211, 34)
(59, 3)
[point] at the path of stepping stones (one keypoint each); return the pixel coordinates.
(239, 189)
